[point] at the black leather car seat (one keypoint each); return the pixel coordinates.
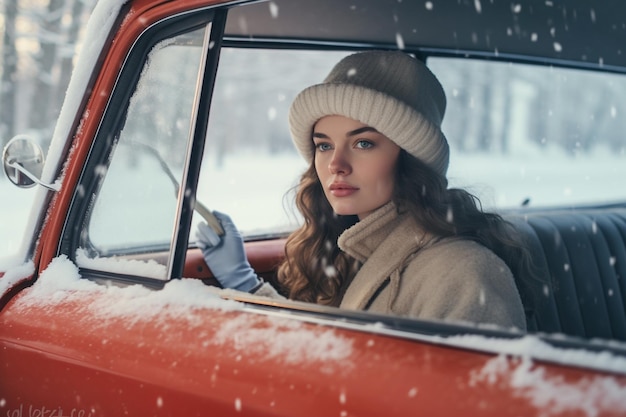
(580, 284)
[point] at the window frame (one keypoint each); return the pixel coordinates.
(113, 121)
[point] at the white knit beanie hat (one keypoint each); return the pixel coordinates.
(388, 90)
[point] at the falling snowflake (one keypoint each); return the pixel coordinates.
(274, 9)
(478, 6)
(399, 41)
(271, 113)
(342, 397)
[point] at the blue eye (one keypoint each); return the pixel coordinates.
(364, 144)
(323, 147)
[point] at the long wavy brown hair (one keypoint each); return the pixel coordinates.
(316, 270)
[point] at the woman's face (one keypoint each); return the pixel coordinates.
(355, 164)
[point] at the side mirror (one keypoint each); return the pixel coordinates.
(22, 160)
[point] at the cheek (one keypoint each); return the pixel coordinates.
(384, 178)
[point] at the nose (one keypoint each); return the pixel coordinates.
(339, 163)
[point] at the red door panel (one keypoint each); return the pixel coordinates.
(184, 351)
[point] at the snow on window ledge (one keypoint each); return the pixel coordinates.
(149, 268)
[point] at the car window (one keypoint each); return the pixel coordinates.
(250, 165)
(528, 135)
(135, 210)
(515, 140)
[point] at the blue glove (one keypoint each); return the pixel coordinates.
(226, 255)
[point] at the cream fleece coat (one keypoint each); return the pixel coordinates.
(408, 272)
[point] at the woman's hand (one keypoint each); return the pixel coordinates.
(226, 255)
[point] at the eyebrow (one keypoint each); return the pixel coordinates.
(350, 133)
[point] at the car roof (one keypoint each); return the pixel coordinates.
(568, 32)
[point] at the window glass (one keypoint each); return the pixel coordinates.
(250, 164)
(135, 210)
(524, 135)
(515, 138)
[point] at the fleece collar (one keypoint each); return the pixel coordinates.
(383, 225)
(381, 242)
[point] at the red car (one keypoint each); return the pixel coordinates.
(176, 106)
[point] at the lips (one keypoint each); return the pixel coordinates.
(342, 189)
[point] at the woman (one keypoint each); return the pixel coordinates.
(381, 230)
